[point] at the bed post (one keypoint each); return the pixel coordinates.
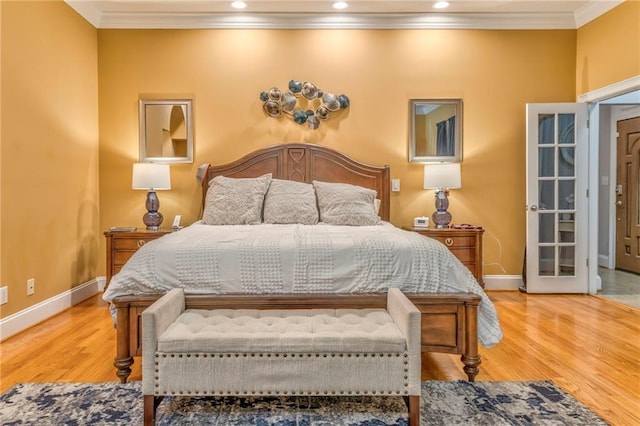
(470, 357)
(123, 359)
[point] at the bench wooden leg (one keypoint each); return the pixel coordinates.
(151, 403)
(413, 404)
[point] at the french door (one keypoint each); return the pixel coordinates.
(557, 176)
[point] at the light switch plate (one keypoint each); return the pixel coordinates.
(395, 185)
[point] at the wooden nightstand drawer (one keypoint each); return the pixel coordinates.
(117, 268)
(456, 241)
(466, 255)
(130, 243)
(122, 245)
(465, 244)
(121, 257)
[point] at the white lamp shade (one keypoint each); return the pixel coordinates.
(442, 175)
(151, 176)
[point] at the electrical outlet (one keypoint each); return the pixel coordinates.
(31, 286)
(4, 295)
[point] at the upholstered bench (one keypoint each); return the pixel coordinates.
(242, 352)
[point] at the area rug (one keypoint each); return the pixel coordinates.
(443, 403)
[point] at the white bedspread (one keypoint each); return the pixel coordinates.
(266, 258)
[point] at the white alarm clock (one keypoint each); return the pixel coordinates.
(421, 222)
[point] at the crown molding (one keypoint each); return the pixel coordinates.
(176, 19)
(592, 10)
(149, 20)
(87, 10)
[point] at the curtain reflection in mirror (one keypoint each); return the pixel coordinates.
(446, 130)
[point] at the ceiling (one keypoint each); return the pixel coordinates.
(461, 14)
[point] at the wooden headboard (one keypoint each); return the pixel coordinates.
(305, 163)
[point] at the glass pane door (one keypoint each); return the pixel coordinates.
(553, 197)
(556, 186)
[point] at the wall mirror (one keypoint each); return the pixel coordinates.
(166, 130)
(435, 130)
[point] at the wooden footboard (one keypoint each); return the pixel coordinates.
(449, 320)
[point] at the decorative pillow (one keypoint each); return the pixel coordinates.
(231, 201)
(288, 201)
(345, 204)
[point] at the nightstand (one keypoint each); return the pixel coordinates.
(465, 244)
(122, 245)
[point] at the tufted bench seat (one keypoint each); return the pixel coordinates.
(246, 352)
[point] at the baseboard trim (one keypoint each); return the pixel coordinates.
(20, 321)
(102, 283)
(502, 282)
(603, 260)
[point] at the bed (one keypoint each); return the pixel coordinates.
(252, 265)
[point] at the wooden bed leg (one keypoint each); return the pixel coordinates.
(470, 357)
(123, 360)
(123, 370)
(471, 366)
(413, 404)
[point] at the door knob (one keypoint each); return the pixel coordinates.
(619, 203)
(533, 207)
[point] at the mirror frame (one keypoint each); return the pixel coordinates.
(142, 112)
(457, 155)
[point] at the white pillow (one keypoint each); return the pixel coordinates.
(345, 204)
(288, 201)
(232, 201)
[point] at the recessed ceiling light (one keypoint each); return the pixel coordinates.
(340, 5)
(441, 5)
(238, 5)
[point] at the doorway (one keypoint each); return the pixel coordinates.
(617, 285)
(601, 218)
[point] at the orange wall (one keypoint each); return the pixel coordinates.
(50, 67)
(49, 184)
(495, 72)
(608, 49)
(1, 98)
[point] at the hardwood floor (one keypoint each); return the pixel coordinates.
(588, 346)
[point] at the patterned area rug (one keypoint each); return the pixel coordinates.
(443, 403)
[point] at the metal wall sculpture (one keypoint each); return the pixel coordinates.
(304, 102)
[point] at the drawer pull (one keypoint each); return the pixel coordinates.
(140, 243)
(448, 242)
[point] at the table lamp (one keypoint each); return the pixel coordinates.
(442, 177)
(152, 177)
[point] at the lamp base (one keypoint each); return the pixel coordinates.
(441, 217)
(152, 218)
